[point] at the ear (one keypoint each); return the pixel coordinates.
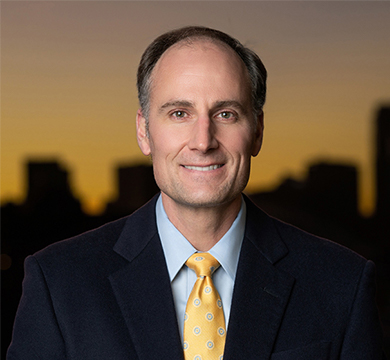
(142, 134)
(258, 140)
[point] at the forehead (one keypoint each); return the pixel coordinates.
(190, 46)
(202, 62)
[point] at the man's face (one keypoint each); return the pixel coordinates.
(202, 133)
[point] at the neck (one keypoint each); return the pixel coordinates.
(203, 227)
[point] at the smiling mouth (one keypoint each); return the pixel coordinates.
(203, 168)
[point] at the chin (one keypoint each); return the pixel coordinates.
(207, 200)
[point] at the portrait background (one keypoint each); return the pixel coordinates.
(68, 103)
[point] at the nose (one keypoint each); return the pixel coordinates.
(202, 137)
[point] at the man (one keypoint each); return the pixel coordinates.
(125, 290)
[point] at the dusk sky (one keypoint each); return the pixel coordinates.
(68, 84)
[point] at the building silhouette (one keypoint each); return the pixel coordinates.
(328, 189)
(136, 185)
(48, 189)
(383, 163)
(324, 203)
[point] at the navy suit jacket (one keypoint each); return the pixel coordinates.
(106, 294)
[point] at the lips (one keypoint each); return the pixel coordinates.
(203, 168)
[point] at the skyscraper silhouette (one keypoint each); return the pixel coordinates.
(48, 189)
(136, 185)
(383, 163)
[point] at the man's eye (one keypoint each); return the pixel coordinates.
(226, 115)
(179, 114)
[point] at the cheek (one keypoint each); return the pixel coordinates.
(167, 142)
(157, 140)
(242, 145)
(161, 150)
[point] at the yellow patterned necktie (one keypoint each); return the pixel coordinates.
(204, 322)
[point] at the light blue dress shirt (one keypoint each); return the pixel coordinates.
(177, 249)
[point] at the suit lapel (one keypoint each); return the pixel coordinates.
(147, 306)
(260, 294)
(261, 291)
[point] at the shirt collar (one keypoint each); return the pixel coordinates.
(177, 249)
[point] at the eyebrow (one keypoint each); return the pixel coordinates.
(176, 103)
(230, 103)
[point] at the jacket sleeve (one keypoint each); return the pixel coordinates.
(36, 333)
(363, 337)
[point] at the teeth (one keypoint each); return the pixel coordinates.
(203, 168)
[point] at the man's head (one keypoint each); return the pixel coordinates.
(256, 70)
(200, 127)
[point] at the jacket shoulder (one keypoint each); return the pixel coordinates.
(314, 249)
(98, 245)
(290, 247)
(102, 237)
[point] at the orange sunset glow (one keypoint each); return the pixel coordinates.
(68, 84)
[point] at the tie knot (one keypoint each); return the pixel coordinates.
(203, 264)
